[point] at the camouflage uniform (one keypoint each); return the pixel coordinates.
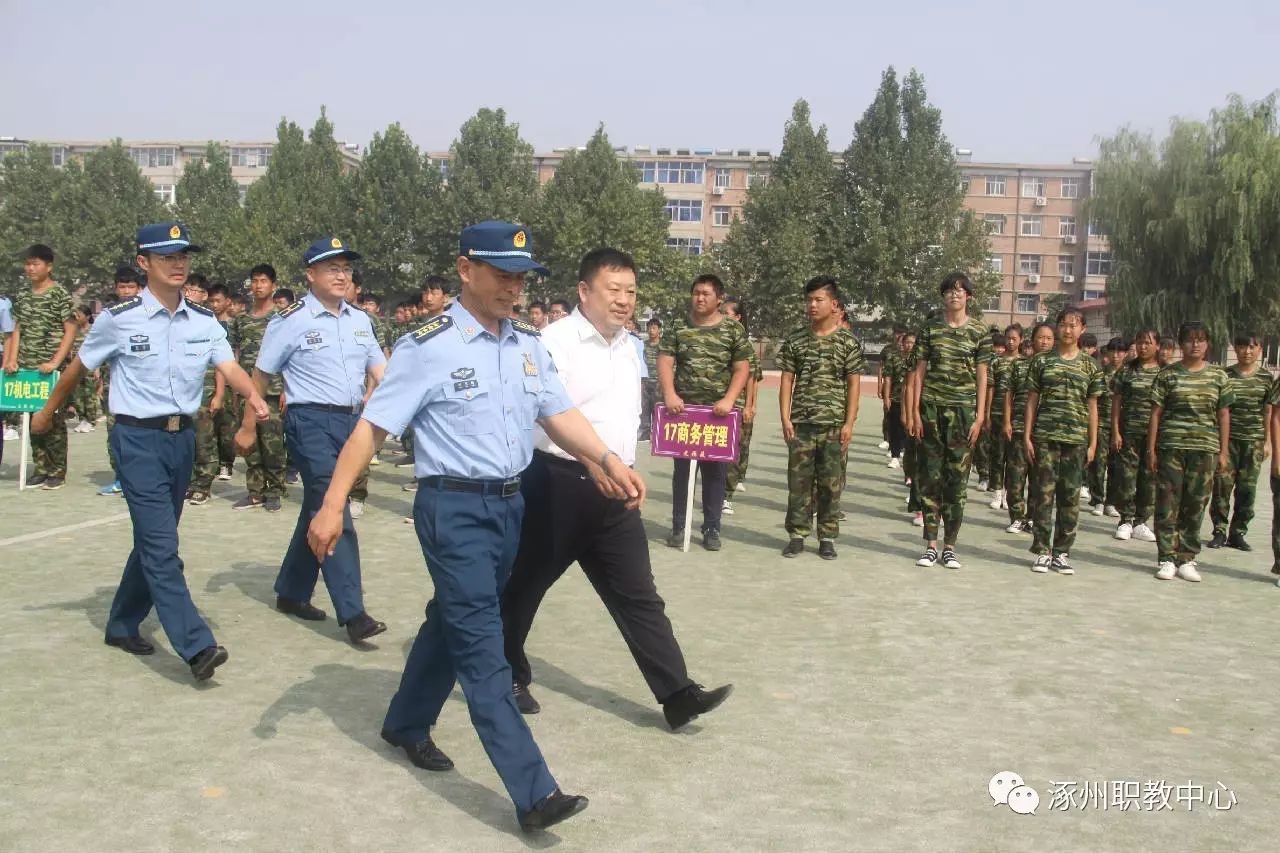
(738, 470)
(1017, 381)
(910, 446)
(705, 358)
(1098, 481)
(40, 318)
(1187, 449)
(948, 409)
(266, 461)
(85, 398)
(1245, 451)
(819, 406)
(649, 387)
(888, 356)
(998, 381)
(1273, 399)
(1133, 493)
(1061, 440)
(206, 461)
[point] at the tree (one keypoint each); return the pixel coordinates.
(786, 235)
(1194, 224)
(490, 172)
(594, 200)
(208, 202)
(901, 218)
(32, 209)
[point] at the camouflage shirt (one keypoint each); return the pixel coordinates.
(1189, 404)
(1248, 409)
(951, 358)
(651, 358)
(889, 356)
(998, 381)
(705, 357)
(1132, 383)
(40, 318)
(1064, 387)
(901, 369)
(822, 367)
(1019, 383)
(245, 337)
(1104, 402)
(210, 383)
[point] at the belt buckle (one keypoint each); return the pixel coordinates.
(173, 423)
(510, 487)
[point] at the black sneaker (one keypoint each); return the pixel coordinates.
(1218, 540)
(203, 664)
(37, 480)
(524, 699)
(1236, 540)
(827, 549)
(271, 504)
(710, 540)
(676, 538)
(248, 502)
(196, 498)
(292, 478)
(52, 483)
(794, 548)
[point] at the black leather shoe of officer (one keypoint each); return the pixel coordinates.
(552, 809)
(827, 549)
(524, 699)
(132, 645)
(692, 701)
(364, 626)
(203, 664)
(423, 753)
(1218, 540)
(1236, 540)
(302, 609)
(794, 548)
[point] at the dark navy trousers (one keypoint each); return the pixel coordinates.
(315, 438)
(154, 469)
(469, 541)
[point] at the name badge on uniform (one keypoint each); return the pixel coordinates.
(530, 369)
(362, 333)
(139, 343)
(465, 384)
(313, 339)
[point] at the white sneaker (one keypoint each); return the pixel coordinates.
(1187, 571)
(1084, 494)
(997, 502)
(1016, 527)
(982, 485)
(949, 559)
(1166, 571)
(1097, 510)
(1124, 532)
(727, 509)
(742, 487)
(1042, 563)
(224, 473)
(1111, 512)
(918, 521)
(884, 445)
(928, 558)
(895, 462)
(11, 434)
(375, 460)
(408, 519)
(357, 508)
(1062, 565)
(1143, 533)
(84, 426)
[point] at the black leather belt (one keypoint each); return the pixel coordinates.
(560, 462)
(501, 488)
(328, 407)
(168, 423)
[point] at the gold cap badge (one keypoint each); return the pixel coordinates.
(175, 232)
(519, 240)
(335, 243)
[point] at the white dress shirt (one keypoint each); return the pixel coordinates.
(602, 379)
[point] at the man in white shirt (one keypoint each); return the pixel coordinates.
(567, 519)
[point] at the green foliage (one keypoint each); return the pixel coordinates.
(33, 209)
(491, 172)
(208, 201)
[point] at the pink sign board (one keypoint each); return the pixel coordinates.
(696, 433)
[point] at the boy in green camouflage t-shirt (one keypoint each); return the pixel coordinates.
(1250, 438)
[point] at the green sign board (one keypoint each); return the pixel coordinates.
(26, 390)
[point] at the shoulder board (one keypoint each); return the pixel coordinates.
(293, 308)
(527, 328)
(431, 328)
(200, 309)
(121, 307)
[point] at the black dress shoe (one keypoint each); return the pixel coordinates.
(1236, 540)
(710, 540)
(203, 664)
(676, 538)
(132, 645)
(301, 609)
(552, 809)
(794, 548)
(692, 701)
(827, 549)
(1218, 540)
(524, 699)
(422, 753)
(364, 626)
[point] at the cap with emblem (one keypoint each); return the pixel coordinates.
(165, 238)
(328, 247)
(504, 245)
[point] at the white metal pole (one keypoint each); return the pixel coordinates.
(26, 445)
(688, 505)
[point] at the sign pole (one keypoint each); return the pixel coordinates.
(26, 444)
(688, 505)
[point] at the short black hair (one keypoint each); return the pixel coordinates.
(709, 278)
(407, 304)
(1070, 311)
(357, 278)
(1147, 332)
(283, 293)
(1117, 344)
(899, 329)
(215, 289)
(562, 303)
(999, 340)
(604, 258)
(653, 321)
(1166, 342)
(1246, 338)
(956, 278)
(819, 282)
(436, 282)
(1187, 329)
(1014, 327)
(126, 275)
(1088, 339)
(371, 297)
(738, 306)
(240, 299)
(39, 252)
(264, 269)
(1040, 326)
(198, 280)
(539, 304)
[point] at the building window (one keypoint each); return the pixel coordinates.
(164, 192)
(7, 148)
(679, 172)
(647, 169)
(995, 223)
(1033, 187)
(152, 158)
(250, 158)
(1070, 188)
(59, 156)
(684, 210)
(1093, 294)
(1095, 230)
(1028, 303)
(991, 303)
(1067, 226)
(242, 190)
(1098, 263)
(1066, 265)
(722, 177)
(688, 245)
(721, 215)
(755, 179)
(995, 184)
(1031, 226)
(995, 263)
(1029, 264)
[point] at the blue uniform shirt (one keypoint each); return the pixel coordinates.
(157, 360)
(639, 345)
(6, 316)
(323, 357)
(470, 398)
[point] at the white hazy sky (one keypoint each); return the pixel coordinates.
(1035, 81)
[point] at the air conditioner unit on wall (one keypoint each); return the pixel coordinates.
(1068, 279)
(1041, 201)
(717, 190)
(1034, 278)
(1070, 239)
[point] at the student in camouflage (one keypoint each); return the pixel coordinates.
(951, 357)
(906, 407)
(821, 366)
(999, 381)
(42, 337)
(1060, 438)
(1250, 440)
(706, 362)
(890, 356)
(265, 464)
(895, 377)
(747, 404)
(1134, 489)
(984, 450)
(993, 423)
(1097, 480)
(85, 398)
(226, 419)
(1190, 432)
(1016, 388)
(1273, 400)
(649, 385)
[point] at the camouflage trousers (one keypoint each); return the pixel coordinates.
(943, 468)
(1184, 483)
(1056, 476)
(1015, 477)
(1096, 478)
(1275, 525)
(648, 398)
(360, 488)
(738, 469)
(911, 470)
(1239, 480)
(225, 424)
(206, 462)
(1133, 486)
(265, 462)
(111, 454)
(997, 455)
(49, 451)
(85, 400)
(815, 465)
(982, 456)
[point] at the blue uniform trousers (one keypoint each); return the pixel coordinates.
(469, 541)
(315, 438)
(154, 471)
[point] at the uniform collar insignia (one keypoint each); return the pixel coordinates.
(463, 373)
